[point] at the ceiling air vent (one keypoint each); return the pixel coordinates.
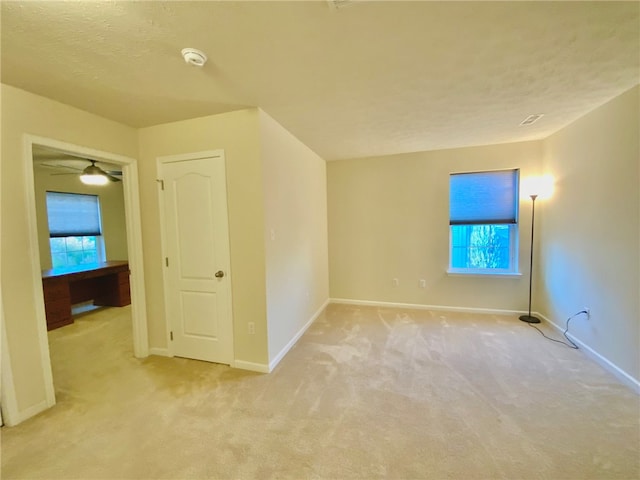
(531, 119)
(336, 5)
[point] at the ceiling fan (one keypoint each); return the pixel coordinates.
(92, 174)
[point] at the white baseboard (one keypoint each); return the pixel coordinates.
(273, 363)
(417, 306)
(251, 366)
(604, 362)
(163, 352)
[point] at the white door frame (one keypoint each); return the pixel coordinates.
(134, 246)
(163, 241)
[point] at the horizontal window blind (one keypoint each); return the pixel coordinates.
(73, 215)
(483, 197)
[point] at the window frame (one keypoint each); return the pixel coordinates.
(514, 236)
(97, 235)
(99, 249)
(513, 256)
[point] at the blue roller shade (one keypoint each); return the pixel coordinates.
(73, 215)
(483, 197)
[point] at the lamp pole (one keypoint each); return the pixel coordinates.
(529, 318)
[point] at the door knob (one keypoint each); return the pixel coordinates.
(219, 274)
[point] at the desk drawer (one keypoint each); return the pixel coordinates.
(124, 294)
(55, 289)
(60, 322)
(58, 313)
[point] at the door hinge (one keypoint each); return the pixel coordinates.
(166, 261)
(171, 335)
(161, 182)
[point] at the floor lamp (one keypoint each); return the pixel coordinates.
(530, 318)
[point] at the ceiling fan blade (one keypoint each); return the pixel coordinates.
(61, 166)
(93, 169)
(114, 175)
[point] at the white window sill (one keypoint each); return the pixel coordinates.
(476, 273)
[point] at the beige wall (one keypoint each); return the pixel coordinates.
(389, 218)
(114, 231)
(237, 134)
(295, 229)
(591, 231)
(25, 113)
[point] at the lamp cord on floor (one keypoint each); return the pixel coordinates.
(570, 344)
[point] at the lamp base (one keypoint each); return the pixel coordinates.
(529, 319)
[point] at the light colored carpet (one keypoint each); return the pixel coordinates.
(366, 393)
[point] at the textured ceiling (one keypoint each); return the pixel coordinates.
(371, 79)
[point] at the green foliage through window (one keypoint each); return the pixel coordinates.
(480, 246)
(71, 251)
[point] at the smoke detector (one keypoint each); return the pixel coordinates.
(194, 57)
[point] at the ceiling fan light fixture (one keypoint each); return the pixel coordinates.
(94, 179)
(94, 175)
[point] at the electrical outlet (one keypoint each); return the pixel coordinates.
(396, 282)
(252, 328)
(423, 283)
(588, 311)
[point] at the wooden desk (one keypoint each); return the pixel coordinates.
(105, 283)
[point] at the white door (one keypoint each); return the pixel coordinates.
(197, 277)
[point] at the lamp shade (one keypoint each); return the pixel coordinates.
(540, 186)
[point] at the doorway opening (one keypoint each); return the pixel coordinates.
(41, 154)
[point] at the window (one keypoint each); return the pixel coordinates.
(75, 234)
(483, 216)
